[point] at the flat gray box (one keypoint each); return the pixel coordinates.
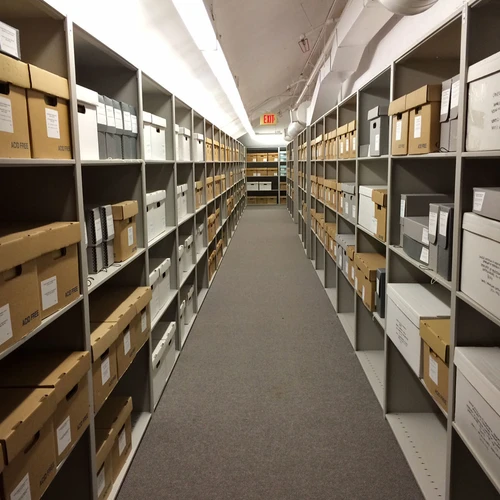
(417, 228)
(379, 131)
(127, 132)
(101, 128)
(487, 202)
(119, 129)
(93, 225)
(108, 248)
(95, 258)
(348, 187)
(353, 208)
(416, 250)
(110, 129)
(380, 293)
(445, 240)
(108, 229)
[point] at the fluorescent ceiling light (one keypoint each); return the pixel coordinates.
(197, 21)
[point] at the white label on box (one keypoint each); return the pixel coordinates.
(341, 147)
(126, 341)
(332, 247)
(347, 146)
(52, 122)
(101, 114)
(134, 123)
(98, 229)
(127, 122)
(417, 127)
(374, 226)
(455, 94)
(478, 200)
(346, 267)
(433, 370)
(110, 116)
(443, 223)
(445, 102)
(101, 481)
(402, 209)
(144, 321)
(377, 142)
(105, 370)
(8, 40)
(433, 217)
(378, 287)
(110, 228)
(49, 292)
(122, 441)
(425, 236)
(424, 255)
(6, 122)
(130, 234)
(64, 435)
(356, 282)
(354, 211)
(340, 260)
(354, 143)
(334, 250)
(346, 208)
(399, 130)
(352, 272)
(118, 118)
(5, 324)
(23, 490)
(363, 292)
(341, 201)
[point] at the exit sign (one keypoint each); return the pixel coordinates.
(268, 119)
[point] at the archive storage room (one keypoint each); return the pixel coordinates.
(250, 250)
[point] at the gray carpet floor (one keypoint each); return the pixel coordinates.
(268, 400)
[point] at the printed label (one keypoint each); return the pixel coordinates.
(445, 102)
(49, 292)
(378, 287)
(110, 228)
(377, 142)
(346, 267)
(433, 217)
(101, 114)
(433, 370)
(363, 293)
(105, 371)
(478, 200)
(443, 223)
(402, 209)
(130, 234)
(347, 146)
(340, 260)
(8, 40)
(23, 490)
(455, 94)
(341, 147)
(354, 143)
(332, 247)
(110, 116)
(118, 118)
(374, 226)
(101, 481)
(399, 129)
(354, 211)
(335, 250)
(6, 122)
(144, 321)
(98, 229)
(425, 236)
(424, 255)
(52, 122)
(346, 206)
(341, 202)
(133, 119)
(417, 127)
(352, 273)
(356, 282)
(5, 324)
(122, 441)
(127, 121)
(63, 435)
(126, 342)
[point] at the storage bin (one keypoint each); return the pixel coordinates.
(164, 279)
(156, 216)
(158, 147)
(189, 314)
(183, 141)
(88, 100)
(163, 357)
(188, 254)
(147, 135)
(480, 278)
(200, 244)
(154, 283)
(265, 186)
(252, 186)
(198, 147)
(367, 207)
(379, 131)
(477, 404)
(407, 304)
(181, 201)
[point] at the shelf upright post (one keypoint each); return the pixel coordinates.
(295, 146)
(308, 192)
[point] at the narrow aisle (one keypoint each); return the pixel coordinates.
(268, 400)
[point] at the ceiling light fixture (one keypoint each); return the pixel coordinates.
(195, 17)
(304, 44)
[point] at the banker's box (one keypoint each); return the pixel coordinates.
(88, 102)
(48, 112)
(379, 131)
(104, 462)
(124, 220)
(400, 121)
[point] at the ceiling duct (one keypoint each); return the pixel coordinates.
(407, 7)
(298, 120)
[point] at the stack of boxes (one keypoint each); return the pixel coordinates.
(348, 201)
(379, 131)
(100, 234)
(365, 281)
(345, 255)
(125, 228)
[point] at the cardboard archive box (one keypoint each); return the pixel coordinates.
(48, 107)
(345, 252)
(341, 141)
(365, 283)
(372, 209)
(88, 101)
(199, 194)
(400, 121)
(208, 149)
(379, 131)
(350, 141)
(331, 245)
(124, 220)
(14, 128)
(104, 462)
(210, 188)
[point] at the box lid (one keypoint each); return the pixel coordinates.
(141, 298)
(184, 187)
(217, 211)
(17, 248)
(348, 187)
(183, 304)
(48, 83)
(159, 121)
(482, 193)
(368, 190)
(87, 96)
(14, 72)
(342, 130)
(379, 196)
(423, 95)
(23, 413)
(153, 276)
(102, 337)
(211, 218)
(198, 137)
(482, 226)
(481, 367)
(484, 68)
(331, 228)
(115, 305)
(181, 251)
(377, 111)
(199, 184)
(188, 241)
(351, 126)
(419, 301)
(56, 235)
(147, 118)
(114, 413)
(104, 441)
(185, 131)
(345, 240)
(436, 334)
(125, 209)
(165, 266)
(217, 178)
(368, 263)
(397, 106)
(161, 195)
(208, 140)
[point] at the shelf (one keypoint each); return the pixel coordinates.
(158, 162)
(478, 307)
(111, 163)
(321, 275)
(426, 156)
(369, 233)
(185, 275)
(164, 234)
(444, 412)
(347, 320)
(422, 267)
(481, 154)
(379, 320)
(34, 162)
(161, 312)
(199, 209)
(373, 363)
(187, 329)
(199, 255)
(140, 422)
(38, 329)
(346, 219)
(94, 281)
(202, 295)
(422, 438)
(185, 218)
(373, 158)
(332, 295)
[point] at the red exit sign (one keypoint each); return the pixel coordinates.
(268, 119)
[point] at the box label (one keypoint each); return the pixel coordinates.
(478, 200)
(23, 490)
(402, 209)
(433, 217)
(118, 118)
(127, 121)
(98, 229)
(130, 236)
(341, 147)
(363, 292)
(399, 130)
(122, 442)
(455, 94)
(417, 127)
(101, 481)
(377, 142)
(101, 114)
(144, 321)
(52, 123)
(443, 223)
(8, 40)
(341, 201)
(334, 249)
(356, 282)
(126, 341)
(346, 206)
(5, 324)
(63, 435)
(354, 211)
(133, 119)
(6, 122)
(110, 228)
(433, 370)
(105, 371)
(49, 292)
(445, 102)
(352, 272)
(378, 287)
(354, 143)
(110, 116)
(424, 255)
(347, 146)
(425, 236)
